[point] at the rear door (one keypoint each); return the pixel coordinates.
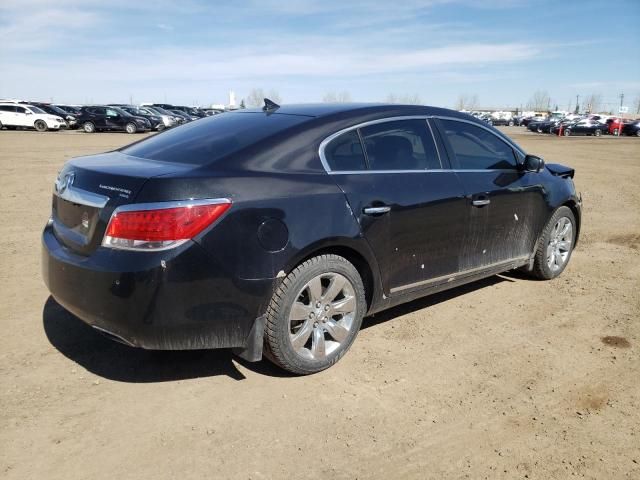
(411, 211)
(506, 204)
(8, 115)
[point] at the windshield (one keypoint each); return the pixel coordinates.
(36, 109)
(121, 111)
(211, 138)
(57, 110)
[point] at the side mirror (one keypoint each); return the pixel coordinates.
(533, 163)
(28, 112)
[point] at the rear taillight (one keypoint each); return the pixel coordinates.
(160, 226)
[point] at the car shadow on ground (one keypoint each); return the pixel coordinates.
(114, 361)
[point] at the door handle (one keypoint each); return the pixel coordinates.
(481, 202)
(376, 210)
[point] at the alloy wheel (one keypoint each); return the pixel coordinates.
(322, 316)
(559, 246)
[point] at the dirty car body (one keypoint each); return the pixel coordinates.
(291, 184)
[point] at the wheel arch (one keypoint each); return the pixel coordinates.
(573, 206)
(363, 261)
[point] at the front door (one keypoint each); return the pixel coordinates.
(113, 120)
(411, 210)
(506, 204)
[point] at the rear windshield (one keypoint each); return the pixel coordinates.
(209, 139)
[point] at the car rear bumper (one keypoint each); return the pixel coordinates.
(169, 300)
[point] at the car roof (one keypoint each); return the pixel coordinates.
(319, 110)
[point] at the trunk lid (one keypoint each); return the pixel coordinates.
(88, 189)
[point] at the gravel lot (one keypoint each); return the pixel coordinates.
(505, 378)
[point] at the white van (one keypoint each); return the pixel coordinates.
(13, 115)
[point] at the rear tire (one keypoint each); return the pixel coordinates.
(597, 133)
(40, 126)
(511, 124)
(1, 126)
(88, 127)
(315, 315)
(131, 128)
(555, 245)
(567, 133)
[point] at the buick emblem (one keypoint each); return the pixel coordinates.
(65, 182)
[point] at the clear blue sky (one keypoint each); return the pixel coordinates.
(190, 51)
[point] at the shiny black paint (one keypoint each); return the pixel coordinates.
(103, 122)
(209, 292)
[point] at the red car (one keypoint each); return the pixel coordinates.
(614, 125)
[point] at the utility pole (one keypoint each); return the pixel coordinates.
(577, 104)
(621, 103)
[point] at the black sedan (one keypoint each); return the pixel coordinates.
(155, 120)
(502, 122)
(277, 231)
(103, 118)
(631, 128)
(585, 127)
(543, 126)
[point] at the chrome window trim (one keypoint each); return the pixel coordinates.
(331, 137)
(83, 197)
(434, 170)
(326, 141)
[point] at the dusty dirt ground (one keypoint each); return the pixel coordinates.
(505, 378)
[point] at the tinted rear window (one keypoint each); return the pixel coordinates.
(209, 139)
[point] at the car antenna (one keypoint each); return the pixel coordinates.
(269, 105)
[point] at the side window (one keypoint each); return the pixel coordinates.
(476, 148)
(7, 108)
(111, 113)
(21, 110)
(400, 145)
(99, 110)
(345, 152)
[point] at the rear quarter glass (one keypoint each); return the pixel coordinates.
(209, 139)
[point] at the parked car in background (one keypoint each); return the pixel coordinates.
(17, 115)
(502, 122)
(169, 118)
(525, 121)
(73, 110)
(71, 119)
(185, 116)
(98, 118)
(631, 127)
(543, 126)
(559, 127)
(585, 127)
(614, 125)
(154, 119)
(281, 229)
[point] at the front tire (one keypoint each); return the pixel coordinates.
(597, 133)
(555, 245)
(131, 128)
(567, 132)
(88, 127)
(315, 315)
(40, 126)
